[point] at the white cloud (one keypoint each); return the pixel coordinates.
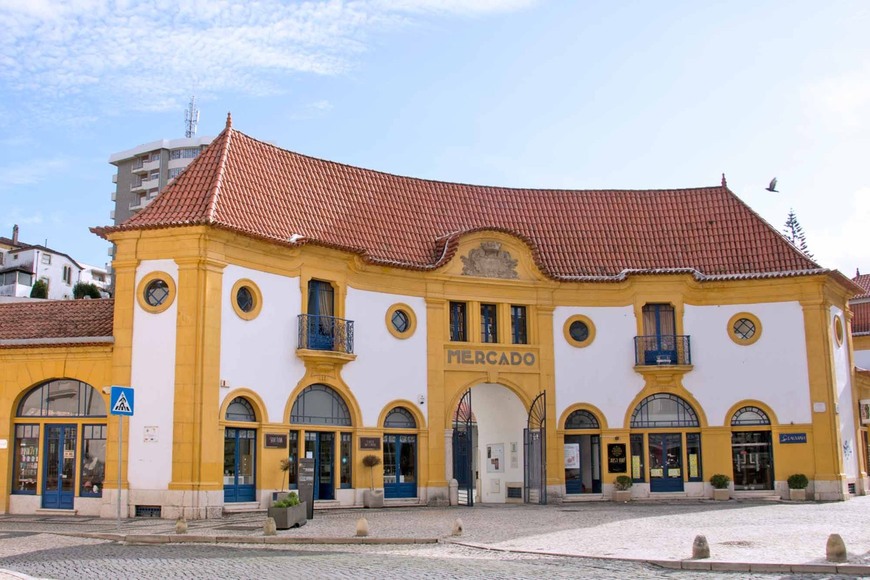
(31, 172)
(148, 54)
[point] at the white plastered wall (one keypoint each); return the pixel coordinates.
(845, 404)
(153, 381)
(602, 373)
(260, 354)
(387, 368)
(772, 370)
(501, 418)
(862, 358)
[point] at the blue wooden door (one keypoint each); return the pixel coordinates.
(321, 446)
(321, 315)
(665, 462)
(59, 469)
(660, 330)
(400, 466)
(239, 465)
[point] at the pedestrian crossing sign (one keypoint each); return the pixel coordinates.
(121, 401)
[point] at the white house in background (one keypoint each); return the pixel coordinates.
(21, 265)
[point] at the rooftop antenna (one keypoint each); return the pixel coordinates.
(191, 118)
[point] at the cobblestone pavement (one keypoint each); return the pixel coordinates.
(739, 533)
(47, 556)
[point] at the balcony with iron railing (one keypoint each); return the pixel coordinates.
(662, 350)
(326, 334)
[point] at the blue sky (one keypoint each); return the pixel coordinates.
(521, 93)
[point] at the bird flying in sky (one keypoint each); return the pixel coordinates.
(772, 186)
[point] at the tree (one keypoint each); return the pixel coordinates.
(86, 289)
(40, 289)
(794, 233)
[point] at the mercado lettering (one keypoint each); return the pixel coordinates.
(490, 357)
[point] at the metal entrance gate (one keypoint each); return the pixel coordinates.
(463, 450)
(535, 452)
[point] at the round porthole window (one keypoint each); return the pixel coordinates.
(156, 292)
(401, 321)
(838, 330)
(579, 330)
(246, 299)
(744, 328)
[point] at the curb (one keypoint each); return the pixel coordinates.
(153, 539)
(700, 565)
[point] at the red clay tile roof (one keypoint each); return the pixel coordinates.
(248, 186)
(860, 318)
(862, 280)
(56, 321)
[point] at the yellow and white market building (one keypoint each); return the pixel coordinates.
(532, 345)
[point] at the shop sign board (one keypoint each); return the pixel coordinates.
(792, 438)
(276, 441)
(864, 411)
(616, 458)
(369, 442)
(305, 485)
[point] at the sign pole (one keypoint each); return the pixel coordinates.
(120, 447)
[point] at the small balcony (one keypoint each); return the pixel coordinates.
(325, 333)
(662, 350)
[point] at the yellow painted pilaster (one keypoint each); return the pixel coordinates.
(436, 398)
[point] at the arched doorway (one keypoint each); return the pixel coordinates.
(751, 449)
(400, 454)
(240, 452)
(582, 453)
(673, 441)
(330, 435)
(489, 424)
(60, 443)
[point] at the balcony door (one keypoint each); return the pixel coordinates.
(660, 330)
(321, 315)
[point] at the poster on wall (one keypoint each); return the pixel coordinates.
(864, 410)
(616, 459)
(495, 458)
(572, 456)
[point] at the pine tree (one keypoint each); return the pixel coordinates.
(794, 233)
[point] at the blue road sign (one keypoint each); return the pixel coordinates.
(121, 401)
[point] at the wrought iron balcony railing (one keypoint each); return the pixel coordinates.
(325, 333)
(662, 350)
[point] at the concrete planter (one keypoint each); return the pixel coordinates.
(721, 494)
(373, 498)
(289, 517)
(621, 495)
(797, 494)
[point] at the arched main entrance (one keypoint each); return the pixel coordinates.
(60, 443)
(751, 449)
(673, 442)
(489, 424)
(329, 436)
(240, 452)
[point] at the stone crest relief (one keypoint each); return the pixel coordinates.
(489, 261)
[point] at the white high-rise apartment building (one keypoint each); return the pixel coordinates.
(145, 170)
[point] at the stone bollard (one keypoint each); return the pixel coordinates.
(835, 550)
(457, 527)
(453, 492)
(269, 528)
(362, 527)
(700, 548)
(181, 526)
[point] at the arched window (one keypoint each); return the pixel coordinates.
(320, 405)
(663, 410)
(581, 420)
(749, 416)
(62, 398)
(400, 418)
(241, 410)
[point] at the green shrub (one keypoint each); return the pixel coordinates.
(623, 482)
(40, 289)
(83, 289)
(798, 481)
(720, 481)
(290, 500)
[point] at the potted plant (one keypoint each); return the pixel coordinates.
(622, 488)
(284, 465)
(372, 498)
(720, 483)
(289, 512)
(797, 487)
